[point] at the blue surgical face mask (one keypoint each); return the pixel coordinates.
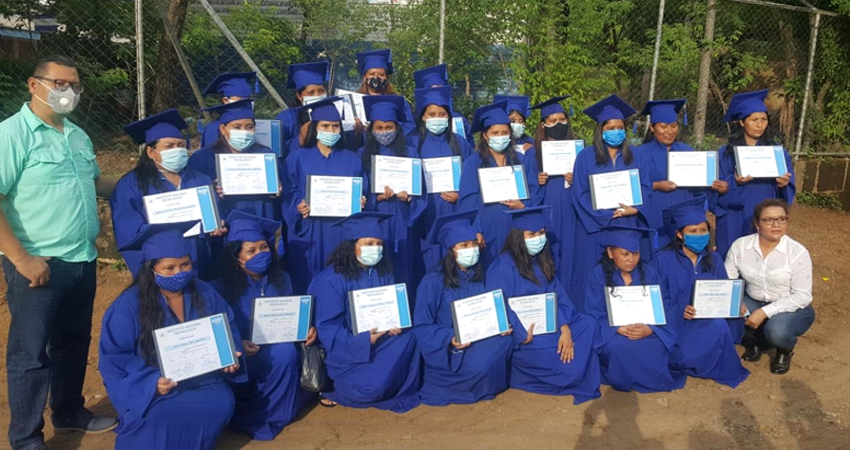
(260, 263)
(535, 245)
(697, 242)
(370, 254)
(306, 100)
(385, 138)
(517, 130)
(468, 257)
(176, 282)
(499, 143)
(437, 125)
(174, 159)
(241, 139)
(614, 137)
(328, 138)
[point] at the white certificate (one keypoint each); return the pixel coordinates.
(520, 149)
(195, 347)
(500, 184)
(400, 174)
(559, 157)
(281, 319)
(267, 134)
(459, 129)
(442, 174)
(185, 205)
(629, 305)
(384, 308)
(692, 169)
(333, 196)
(247, 173)
(608, 190)
(540, 310)
(761, 161)
(350, 107)
(479, 317)
(718, 298)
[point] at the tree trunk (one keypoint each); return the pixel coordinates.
(792, 64)
(704, 74)
(167, 65)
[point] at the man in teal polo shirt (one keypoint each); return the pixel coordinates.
(49, 181)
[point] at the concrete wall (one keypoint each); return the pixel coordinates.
(825, 176)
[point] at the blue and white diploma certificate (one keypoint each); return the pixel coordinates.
(442, 174)
(760, 161)
(400, 174)
(608, 190)
(692, 169)
(384, 308)
(267, 133)
(196, 347)
(185, 205)
(457, 125)
(540, 310)
(479, 317)
(281, 319)
(559, 157)
(630, 305)
(499, 184)
(330, 196)
(715, 299)
(247, 173)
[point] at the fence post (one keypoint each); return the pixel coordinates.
(704, 73)
(442, 31)
(813, 43)
(657, 53)
(181, 56)
(140, 60)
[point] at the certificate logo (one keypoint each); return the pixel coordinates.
(269, 157)
(217, 320)
(305, 300)
(204, 190)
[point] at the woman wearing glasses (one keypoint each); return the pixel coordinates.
(778, 275)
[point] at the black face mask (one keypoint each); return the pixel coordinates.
(557, 132)
(377, 84)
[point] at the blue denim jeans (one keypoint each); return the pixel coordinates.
(49, 339)
(781, 330)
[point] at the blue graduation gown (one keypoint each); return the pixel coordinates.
(385, 375)
(587, 237)
(705, 347)
(536, 366)
(403, 229)
(642, 365)
(735, 207)
(272, 398)
(195, 412)
(210, 133)
(288, 129)
(478, 372)
(312, 240)
(128, 215)
(492, 222)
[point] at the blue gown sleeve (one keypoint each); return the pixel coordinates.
(409, 125)
(292, 196)
(596, 305)
(732, 198)
(790, 191)
(434, 339)
(330, 296)
(535, 191)
(127, 209)
(566, 310)
(582, 200)
(667, 334)
(467, 129)
(502, 275)
(469, 195)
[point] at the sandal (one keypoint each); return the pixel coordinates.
(326, 402)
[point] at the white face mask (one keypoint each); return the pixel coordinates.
(308, 99)
(61, 102)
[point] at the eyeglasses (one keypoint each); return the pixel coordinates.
(63, 85)
(774, 220)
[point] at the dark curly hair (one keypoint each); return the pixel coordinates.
(234, 278)
(515, 246)
(344, 261)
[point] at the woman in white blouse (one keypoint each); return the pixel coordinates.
(778, 275)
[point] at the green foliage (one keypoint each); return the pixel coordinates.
(823, 201)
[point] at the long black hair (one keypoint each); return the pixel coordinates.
(483, 149)
(451, 272)
(147, 174)
(707, 262)
(608, 268)
(344, 261)
(373, 147)
(515, 246)
(540, 136)
(151, 315)
(236, 280)
(601, 148)
(452, 139)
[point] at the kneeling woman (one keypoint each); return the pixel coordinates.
(370, 369)
(706, 347)
(154, 411)
(454, 372)
(560, 363)
(273, 397)
(634, 357)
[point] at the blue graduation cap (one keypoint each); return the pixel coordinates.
(532, 219)
(246, 227)
(166, 124)
(243, 109)
(611, 107)
(489, 115)
(626, 237)
(450, 229)
(440, 96)
(744, 104)
(375, 59)
(386, 108)
(666, 111)
(432, 76)
(688, 212)
(552, 106)
(305, 74)
(518, 103)
(324, 109)
(368, 224)
(234, 85)
(157, 241)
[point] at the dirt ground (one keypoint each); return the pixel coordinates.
(809, 408)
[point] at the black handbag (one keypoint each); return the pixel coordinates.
(314, 376)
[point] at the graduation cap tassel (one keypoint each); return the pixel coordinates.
(685, 117)
(635, 128)
(256, 86)
(572, 111)
(200, 124)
